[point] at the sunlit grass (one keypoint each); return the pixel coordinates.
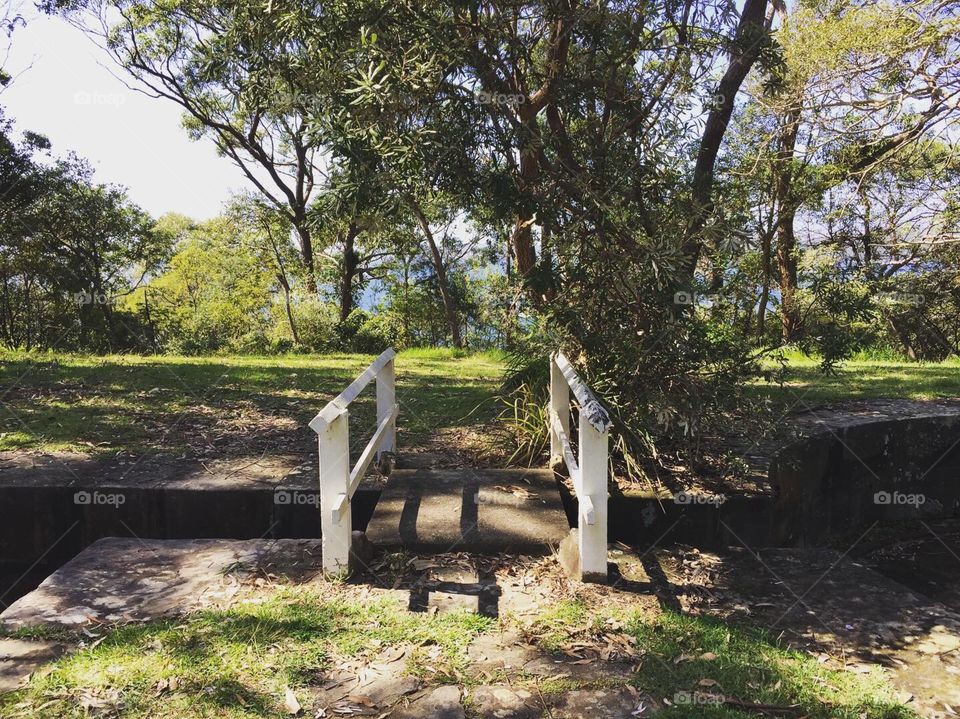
(802, 382)
(698, 662)
(238, 662)
(123, 403)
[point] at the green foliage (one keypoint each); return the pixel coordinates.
(526, 419)
(70, 251)
(241, 661)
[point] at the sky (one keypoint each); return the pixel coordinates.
(68, 89)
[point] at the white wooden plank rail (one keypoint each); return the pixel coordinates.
(588, 471)
(338, 481)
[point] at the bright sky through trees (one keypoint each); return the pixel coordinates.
(130, 139)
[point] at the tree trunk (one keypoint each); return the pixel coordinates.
(286, 303)
(306, 254)
(449, 306)
(786, 238)
(522, 238)
(903, 335)
(745, 49)
(767, 262)
(350, 262)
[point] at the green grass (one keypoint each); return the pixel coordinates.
(804, 384)
(121, 403)
(696, 661)
(105, 405)
(238, 662)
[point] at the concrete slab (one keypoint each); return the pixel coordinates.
(120, 579)
(19, 658)
(474, 510)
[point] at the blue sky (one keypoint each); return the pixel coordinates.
(66, 88)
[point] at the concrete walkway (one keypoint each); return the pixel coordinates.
(427, 509)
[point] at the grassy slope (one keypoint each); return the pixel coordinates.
(103, 405)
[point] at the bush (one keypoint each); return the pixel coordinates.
(376, 334)
(316, 323)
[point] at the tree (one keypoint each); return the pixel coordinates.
(860, 83)
(238, 85)
(265, 233)
(69, 250)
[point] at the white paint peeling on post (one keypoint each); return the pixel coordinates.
(589, 470)
(337, 481)
(590, 407)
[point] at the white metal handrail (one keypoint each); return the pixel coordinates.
(588, 470)
(338, 481)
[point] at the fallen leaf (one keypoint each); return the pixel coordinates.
(291, 704)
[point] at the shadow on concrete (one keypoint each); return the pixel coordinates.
(485, 590)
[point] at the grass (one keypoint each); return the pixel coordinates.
(245, 405)
(105, 405)
(240, 662)
(698, 662)
(804, 384)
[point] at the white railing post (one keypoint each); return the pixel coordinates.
(559, 407)
(386, 398)
(338, 481)
(588, 471)
(335, 521)
(593, 502)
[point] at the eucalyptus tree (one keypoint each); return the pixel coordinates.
(897, 231)
(860, 83)
(265, 232)
(239, 78)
